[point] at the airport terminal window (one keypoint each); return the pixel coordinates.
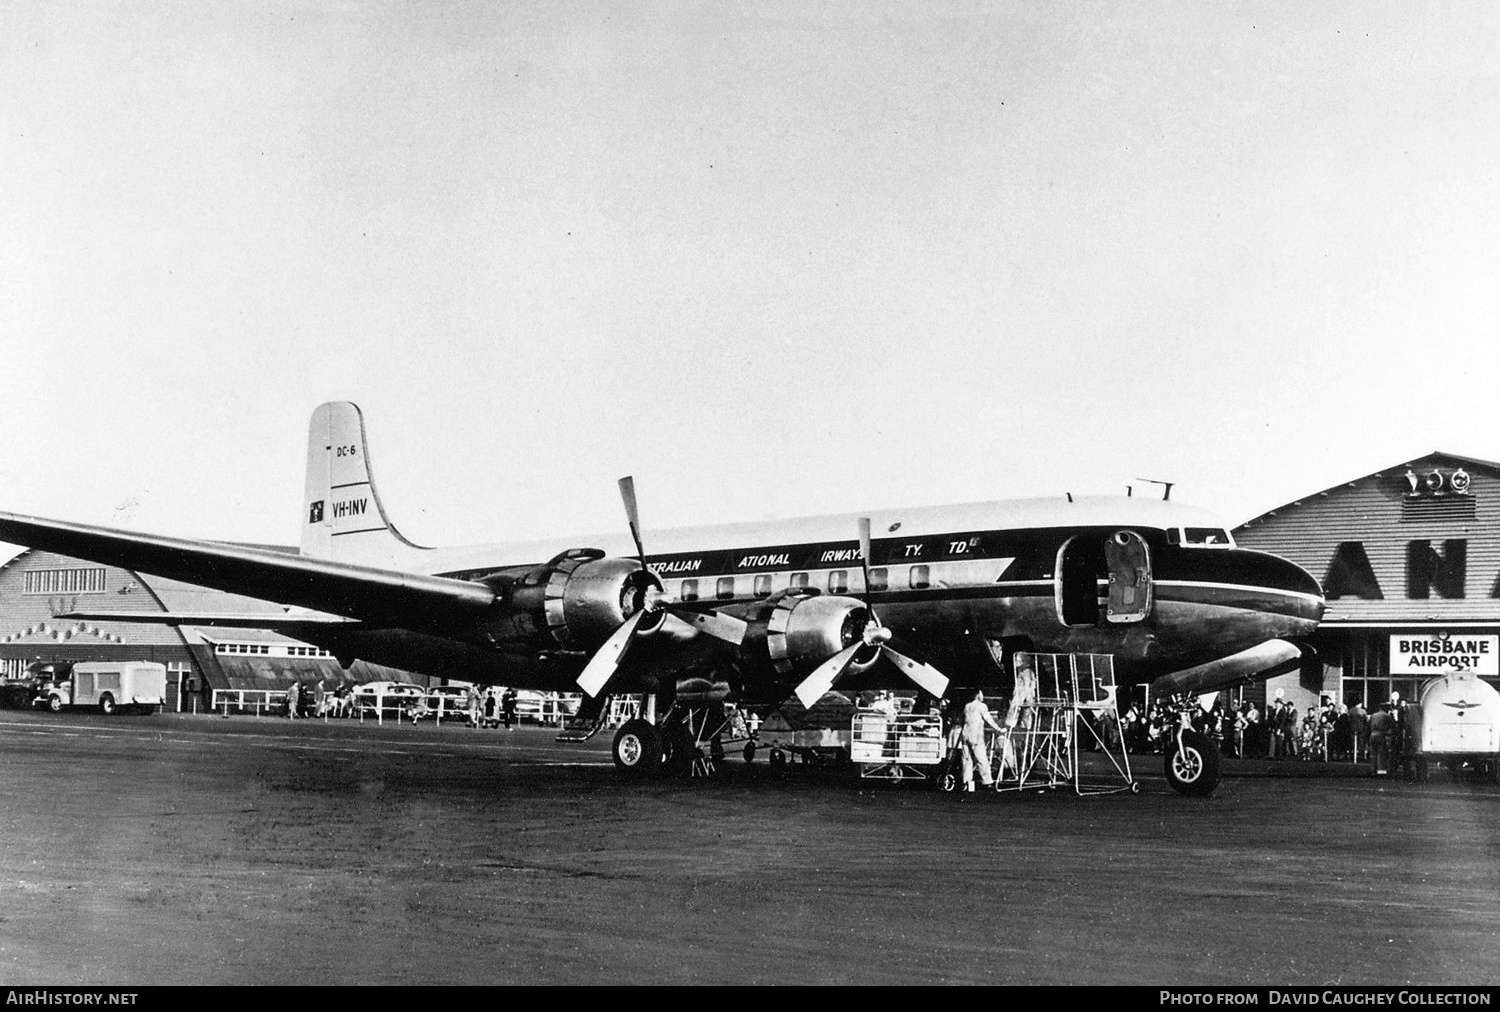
(689, 590)
(799, 580)
(838, 581)
(64, 581)
(921, 577)
(242, 648)
(763, 585)
(880, 579)
(725, 588)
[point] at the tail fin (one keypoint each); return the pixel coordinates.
(342, 518)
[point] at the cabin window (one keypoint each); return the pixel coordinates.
(880, 579)
(799, 580)
(763, 585)
(725, 588)
(838, 581)
(921, 577)
(689, 591)
(1216, 537)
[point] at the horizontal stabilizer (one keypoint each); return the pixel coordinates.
(1265, 660)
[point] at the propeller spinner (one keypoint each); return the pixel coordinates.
(874, 636)
(650, 602)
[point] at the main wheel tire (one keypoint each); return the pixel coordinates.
(638, 749)
(54, 703)
(749, 751)
(947, 781)
(107, 704)
(1193, 769)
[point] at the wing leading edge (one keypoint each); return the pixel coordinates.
(376, 597)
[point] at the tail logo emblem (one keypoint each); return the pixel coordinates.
(315, 512)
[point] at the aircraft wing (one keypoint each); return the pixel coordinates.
(378, 597)
(300, 621)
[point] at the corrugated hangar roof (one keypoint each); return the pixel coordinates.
(1435, 458)
(1390, 549)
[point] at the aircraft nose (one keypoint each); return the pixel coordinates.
(1283, 596)
(1290, 591)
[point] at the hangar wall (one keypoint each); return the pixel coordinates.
(35, 584)
(1409, 560)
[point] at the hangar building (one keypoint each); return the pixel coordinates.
(35, 584)
(1409, 560)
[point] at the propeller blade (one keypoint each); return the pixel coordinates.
(925, 675)
(633, 515)
(864, 553)
(603, 665)
(714, 623)
(820, 681)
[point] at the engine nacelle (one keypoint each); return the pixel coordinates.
(580, 598)
(804, 630)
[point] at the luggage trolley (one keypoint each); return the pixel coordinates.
(1055, 709)
(905, 746)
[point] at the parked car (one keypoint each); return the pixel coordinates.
(455, 698)
(389, 696)
(549, 707)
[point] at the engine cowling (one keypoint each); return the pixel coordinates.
(588, 596)
(574, 602)
(804, 630)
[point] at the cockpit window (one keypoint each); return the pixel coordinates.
(1206, 537)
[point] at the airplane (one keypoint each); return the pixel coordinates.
(937, 597)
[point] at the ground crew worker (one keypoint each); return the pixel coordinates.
(971, 742)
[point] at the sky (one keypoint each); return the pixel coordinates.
(772, 259)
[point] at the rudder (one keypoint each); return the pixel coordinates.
(342, 518)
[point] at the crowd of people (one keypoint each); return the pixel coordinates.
(1329, 732)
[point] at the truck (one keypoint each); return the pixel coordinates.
(1460, 715)
(140, 686)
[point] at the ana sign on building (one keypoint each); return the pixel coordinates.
(1440, 653)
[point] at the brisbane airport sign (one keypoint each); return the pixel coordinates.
(1444, 652)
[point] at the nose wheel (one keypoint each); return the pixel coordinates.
(1192, 765)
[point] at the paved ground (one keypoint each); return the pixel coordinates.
(189, 850)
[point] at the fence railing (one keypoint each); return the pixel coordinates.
(551, 711)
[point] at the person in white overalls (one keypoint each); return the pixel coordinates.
(973, 753)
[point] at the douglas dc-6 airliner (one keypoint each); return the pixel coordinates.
(939, 597)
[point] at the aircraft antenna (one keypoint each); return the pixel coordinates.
(1167, 486)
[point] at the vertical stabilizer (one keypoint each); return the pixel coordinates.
(342, 518)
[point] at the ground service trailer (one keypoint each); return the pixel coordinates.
(1461, 722)
(135, 685)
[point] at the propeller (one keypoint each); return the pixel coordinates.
(873, 636)
(652, 601)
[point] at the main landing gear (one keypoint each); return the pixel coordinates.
(687, 741)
